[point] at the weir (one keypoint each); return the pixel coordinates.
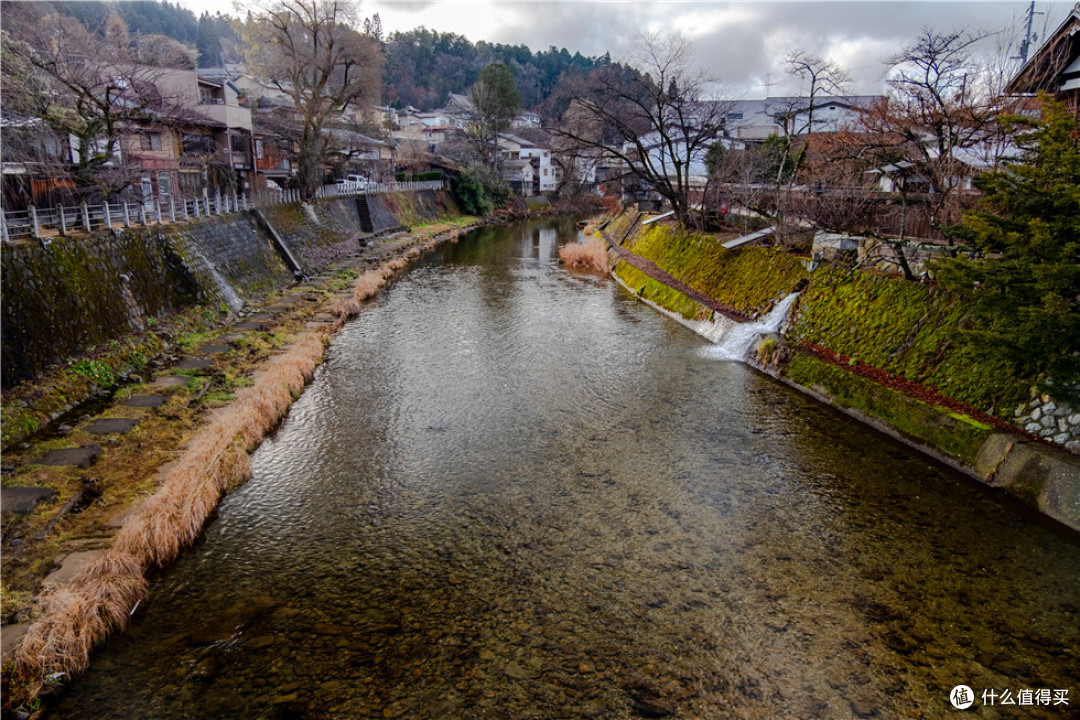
(740, 338)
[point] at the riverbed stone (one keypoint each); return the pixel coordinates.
(171, 381)
(230, 338)
(82, 456)
(194, 364)
(106, 426)
(23, 499)
(211, 349)
(259, 326)
(517, 672)
(145, 401)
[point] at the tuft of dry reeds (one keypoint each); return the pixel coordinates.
(99, 598)
(590, 255)
(95, 603)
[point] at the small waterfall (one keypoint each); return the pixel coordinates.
(740, 338)
(225, 289)
(228, 293)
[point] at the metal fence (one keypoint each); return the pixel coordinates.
(44, 224)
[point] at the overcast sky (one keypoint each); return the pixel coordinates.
(743, 44)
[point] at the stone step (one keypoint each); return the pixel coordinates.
(70, 566)
(145, 401)
(194, 364)
(171, 381)
(213, 349)
(22, 499)
(81, 456)
(106, 426)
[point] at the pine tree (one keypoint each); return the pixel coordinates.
(1025, 292)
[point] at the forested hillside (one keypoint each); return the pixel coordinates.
(422, 66)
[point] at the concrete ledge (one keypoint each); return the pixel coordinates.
(1039, 475)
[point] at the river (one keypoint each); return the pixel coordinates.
(516, 492)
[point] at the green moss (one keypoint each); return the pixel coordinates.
(659, 293)
(906, 329)
(932, 426)
(747, 279)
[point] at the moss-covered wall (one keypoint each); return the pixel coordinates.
(906, 329)
(80, 293)
(70, 297)
(900, 327)
(747, 279)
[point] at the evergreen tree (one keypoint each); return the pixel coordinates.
(1025, 292)
(208, 43)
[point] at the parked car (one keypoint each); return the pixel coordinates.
(358, 183)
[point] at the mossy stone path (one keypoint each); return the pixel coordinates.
(23, 499)
(108, 426)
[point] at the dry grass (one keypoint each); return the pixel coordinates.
(590, 255)
(97, 602)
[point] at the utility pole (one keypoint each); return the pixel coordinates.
(1025, 46)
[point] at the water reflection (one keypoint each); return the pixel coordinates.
(517, 493)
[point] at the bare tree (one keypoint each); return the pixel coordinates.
(823, 78)
(89, 90)
(659, 121)
(939, 119)
(308, 50)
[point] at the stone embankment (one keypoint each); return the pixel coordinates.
(877, 348)
(127, 481)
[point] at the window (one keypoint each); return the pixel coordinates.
(150, 141)
(734, 116)
(164, 186)
(238, 143)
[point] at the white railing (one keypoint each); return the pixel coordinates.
(42, 224)
(372, 188)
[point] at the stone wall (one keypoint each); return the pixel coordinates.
(79, 293)
(320, 235)
(1050, 419)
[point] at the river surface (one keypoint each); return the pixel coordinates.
(515, 492)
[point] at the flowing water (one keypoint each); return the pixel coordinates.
(514, 492)
(739, 340)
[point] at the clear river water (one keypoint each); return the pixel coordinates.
(516, 492)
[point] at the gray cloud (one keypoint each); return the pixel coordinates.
(747, 49)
